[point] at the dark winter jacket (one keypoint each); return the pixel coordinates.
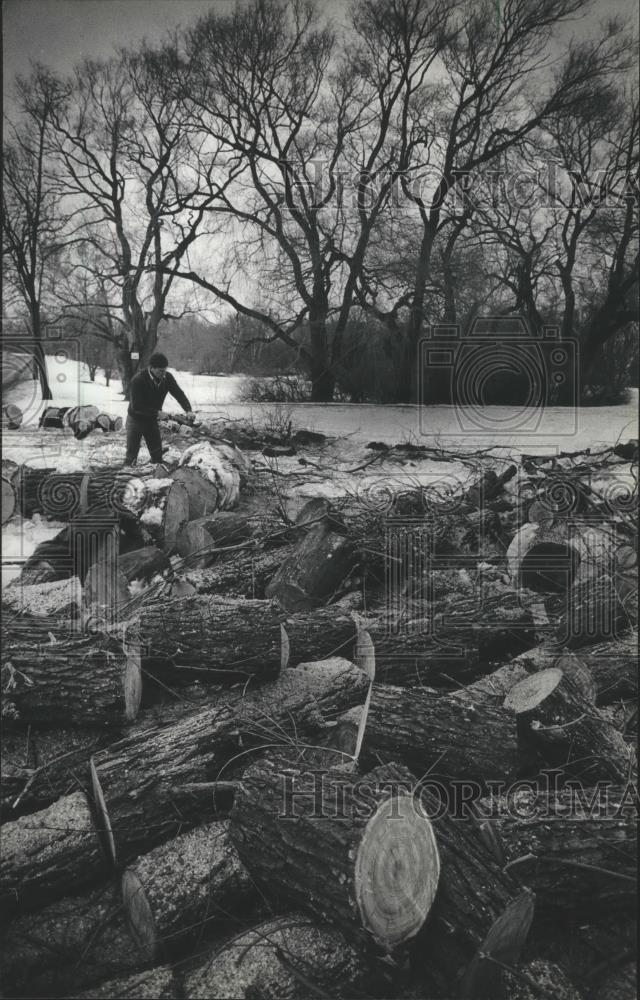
(146, 395)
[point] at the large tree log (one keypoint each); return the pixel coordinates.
(566, 730)
(613, 664)
(56, 600)
(575, 847)
(91, 680)
(216, 483)
(11, 417)
(358, 852)
(242, 574)
(278, 960)
(137, 779)
(70, 943)
(198, 541)
(160, 983)
(172, 892)
(441, 734)
(494, 687)
(107, 585)
(316, 570)
(39, 767)
(49, 854)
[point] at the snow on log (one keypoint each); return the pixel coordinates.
(110, 583)
(170, 893)
(576, 847)
(210, 473)
(315, 571)
(160, 983)
(275, 960)
(86, 680)
(356, 852)
(40, 952)
(141, 783)
(565, 730)
(441, 734)
(198, 541)
(49, 854)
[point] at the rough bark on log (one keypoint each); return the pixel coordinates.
(242, 574)
(480, 917)
(160, 983)
(57, 600)
(357, 852)
(576, 848)
(91, 680)
(537, 979)
(494, 687)
(441, 734)
(596, 610)
(613, 664)
(315, 571)
(170, 893)
(565, 730)
(137, 779)
(72, 942)
(199, 540)
(49, 854)
(106, 585)
(277, 960)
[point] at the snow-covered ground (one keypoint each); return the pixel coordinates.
(341, 468)
(547, 429)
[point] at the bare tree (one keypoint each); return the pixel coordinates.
(35, 226)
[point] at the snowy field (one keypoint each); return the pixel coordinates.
(549, 429)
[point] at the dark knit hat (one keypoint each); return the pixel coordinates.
(158, 361)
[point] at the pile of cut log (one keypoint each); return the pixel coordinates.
(257, 776)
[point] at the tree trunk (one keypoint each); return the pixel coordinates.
(40, 361)
(441, 734)
(172, 892)
(564, 730)
(198, 541)
(277, 960)
(321, 372)
(357, 852)
(90, 680)
(576, 848)
(49, 854)
(38, 768)
(160, 983)
(315, 571)
(140, 783)
(70, 943)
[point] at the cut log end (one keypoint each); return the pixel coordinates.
(132, 683)
(176, 513)
(104, 823)
(533, 690)
(397, 871)
(139, 915)
(8, 500)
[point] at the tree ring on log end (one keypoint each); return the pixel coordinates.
(396, 871)
(132, 682)
(176, 513)
(530, 692)
(103, 814)
(139, 915)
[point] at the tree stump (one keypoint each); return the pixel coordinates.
(575, 847)
(356, 851)
(170, 893)
(143, 783)
(91, 680)
(49, 854)
(275, 959)
(565, 730)
(199, 540)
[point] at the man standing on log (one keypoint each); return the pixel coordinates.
(147, 393)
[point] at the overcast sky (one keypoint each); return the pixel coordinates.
(61, 32)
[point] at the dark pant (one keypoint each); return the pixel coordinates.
(147, 428)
